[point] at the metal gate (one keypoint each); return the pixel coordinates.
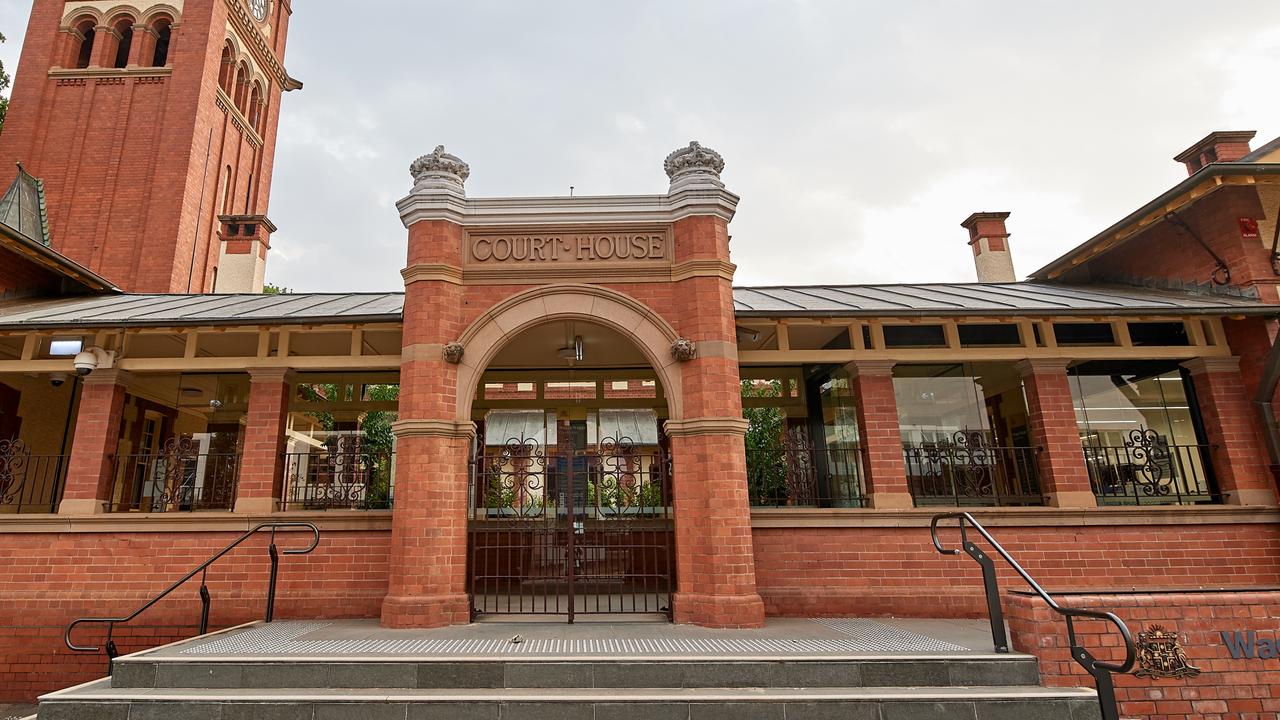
(573, 532)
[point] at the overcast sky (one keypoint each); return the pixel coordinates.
(858, 134)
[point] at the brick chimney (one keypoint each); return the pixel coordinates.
(1220, 146)
(990, 242)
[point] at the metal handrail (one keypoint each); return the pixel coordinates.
(202, 569)
(1099, 670)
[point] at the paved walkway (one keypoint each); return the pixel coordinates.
(779, 639)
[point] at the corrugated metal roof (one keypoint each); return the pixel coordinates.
(135, 310)
(1023, 298)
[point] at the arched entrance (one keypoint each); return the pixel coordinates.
(570, 495)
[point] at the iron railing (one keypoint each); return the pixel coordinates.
(1147, 470)
(344, 477)
(205, 598)
(966, 471)
(178, 478)
(29, 483)
(795, 474)
(1100, 671)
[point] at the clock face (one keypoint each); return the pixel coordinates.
(259, 9)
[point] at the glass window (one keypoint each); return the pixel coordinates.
(965, 435)
(1141, 432)
(340, 442)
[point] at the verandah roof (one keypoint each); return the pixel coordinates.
(924, 300)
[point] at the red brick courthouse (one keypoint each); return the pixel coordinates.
(571, 410)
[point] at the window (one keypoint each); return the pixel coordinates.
(164, 34)
(226, 192)
(123, 28)
(256, 102)
(226, 72)
(87, 36)
(242, 87)
(1141, 433)
(990, 335)
(1084, 334)
(914, 336)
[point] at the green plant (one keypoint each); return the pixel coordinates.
(766, 456)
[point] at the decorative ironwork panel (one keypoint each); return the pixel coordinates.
(343, 475)
(1148, 470)
(793, 473)
(1160, 655)
(29, 483)
(179, 478)
(967, 470)
(563, 532)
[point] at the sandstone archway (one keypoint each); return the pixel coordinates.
(621, 313)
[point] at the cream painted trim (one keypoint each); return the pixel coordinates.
(703, 268)
(564, 211)
(779, 357)
(434, 428)
(99, 73)
(432, 271)
(707, 426)
(271, 374)
(537, 274)
(1018, 517)
(330, 521)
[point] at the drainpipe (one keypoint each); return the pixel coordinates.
(1266, 410)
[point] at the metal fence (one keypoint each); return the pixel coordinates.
(795, 474)
(29, 483)
(179, 478)
(965, 471)
(1147, 470)
(345, 477)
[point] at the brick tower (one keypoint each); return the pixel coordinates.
(153, 127)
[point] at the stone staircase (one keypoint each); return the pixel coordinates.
(146, 687)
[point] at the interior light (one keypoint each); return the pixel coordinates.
(65, 347)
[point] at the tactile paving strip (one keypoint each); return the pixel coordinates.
(856, 637)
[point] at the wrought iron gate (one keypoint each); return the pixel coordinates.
(573, 532)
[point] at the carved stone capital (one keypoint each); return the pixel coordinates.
(453, 352)
(684, 350)
(707, 426)
(433, 428)
(439, 172)
(694, 165)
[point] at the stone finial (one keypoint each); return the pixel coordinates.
(694, 165)
(453, 353)
(439, 171)
(684, 350)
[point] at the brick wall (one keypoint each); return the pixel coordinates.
(51, 579)
(895, 570)
(1226, 688)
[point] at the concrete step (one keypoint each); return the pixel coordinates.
(141, 671)
(99, 701)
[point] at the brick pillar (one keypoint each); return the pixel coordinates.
(1239, 460)
(262, 460)
(1052, 420)
(144, 45)
(871, 383)
(105, 43)
(91, 468)
(428, 578)
(715, 562)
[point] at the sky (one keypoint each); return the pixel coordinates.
(859, 135)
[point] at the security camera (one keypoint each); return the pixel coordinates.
(57, 379)
(85, 363)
